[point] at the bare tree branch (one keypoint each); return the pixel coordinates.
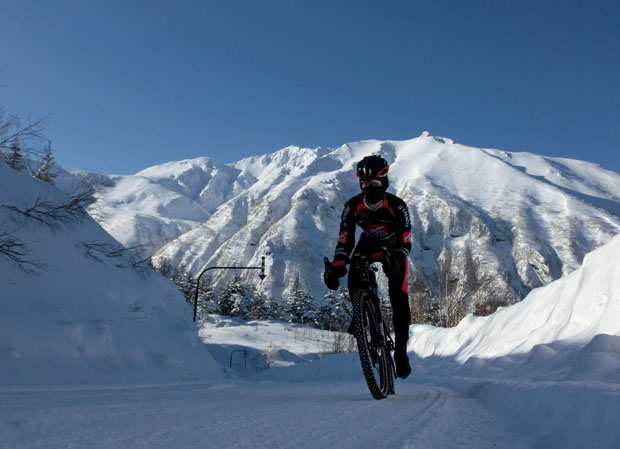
(17, 252)
(53, 215)
(97, 251)
(30, 135)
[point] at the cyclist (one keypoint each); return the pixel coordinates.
(384, 219)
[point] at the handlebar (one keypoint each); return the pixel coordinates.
(360, 263)
(383, 255)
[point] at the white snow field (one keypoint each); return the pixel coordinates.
(93, 355)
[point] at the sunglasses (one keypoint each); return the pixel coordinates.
(371, 182)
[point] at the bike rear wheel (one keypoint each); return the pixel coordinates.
(371, 345)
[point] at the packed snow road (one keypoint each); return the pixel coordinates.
(249, 415)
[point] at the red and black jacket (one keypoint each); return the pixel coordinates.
(390, 225)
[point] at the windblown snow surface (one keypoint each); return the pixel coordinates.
(94, 356)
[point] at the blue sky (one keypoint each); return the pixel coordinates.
(129, 84)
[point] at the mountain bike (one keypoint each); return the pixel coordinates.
(374, 343)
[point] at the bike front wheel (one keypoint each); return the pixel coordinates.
(372, 347)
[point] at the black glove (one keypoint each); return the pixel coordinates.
(332, 274)
(395, 263)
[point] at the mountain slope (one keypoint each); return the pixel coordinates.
(145, 210)
(76, 311)
(515, 220)
(524, 219)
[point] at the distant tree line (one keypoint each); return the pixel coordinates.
(461, 288)
(236, 299)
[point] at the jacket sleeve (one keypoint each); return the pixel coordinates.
(403, 228)
(346, 238)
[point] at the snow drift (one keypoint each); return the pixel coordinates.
(77, 311)
(572, 323)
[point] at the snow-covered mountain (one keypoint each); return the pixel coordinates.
(145, 210)
(74, 306)
(520, 219)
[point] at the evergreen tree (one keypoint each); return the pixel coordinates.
(300, 306)
(264, 307)
(236, 299)
(272, 309)
(186, 285)
(207, 303)
(44, 172)
(336, 315)
(14, 158)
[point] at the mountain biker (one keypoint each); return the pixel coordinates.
(384, 219)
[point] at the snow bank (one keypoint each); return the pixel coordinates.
(576, 318)
(79, 313)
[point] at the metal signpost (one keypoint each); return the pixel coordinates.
(262, 276)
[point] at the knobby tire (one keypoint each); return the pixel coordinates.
(373, 352)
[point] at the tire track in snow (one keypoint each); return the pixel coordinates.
(244, 415)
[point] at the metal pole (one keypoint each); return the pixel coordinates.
(262, 276)
(245, 358)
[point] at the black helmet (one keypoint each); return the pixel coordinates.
(372, 167)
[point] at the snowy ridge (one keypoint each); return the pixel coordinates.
(159, 203)
(80, 313)
(527, 219)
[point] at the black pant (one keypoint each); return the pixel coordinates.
(399, 298)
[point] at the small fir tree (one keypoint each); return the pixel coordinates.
(187, 285)
(264, 307)
(300, 306)
(44, 173)
(336, 315)
(14, 158)
(236, 299)
(207, 303)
